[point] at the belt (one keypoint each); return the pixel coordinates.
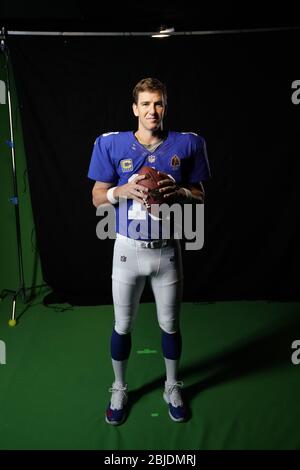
(145, 243)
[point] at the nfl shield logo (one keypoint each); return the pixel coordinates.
(151, 158)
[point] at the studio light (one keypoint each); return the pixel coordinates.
(163, 32)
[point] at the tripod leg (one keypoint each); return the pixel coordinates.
(12, 321)
(4, 293)
(15, 198)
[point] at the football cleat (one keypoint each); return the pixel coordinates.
(116, 410)
(172, 396)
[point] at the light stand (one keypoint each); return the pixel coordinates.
(21, 291)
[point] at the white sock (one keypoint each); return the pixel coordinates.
(171, 370)
(119, 368)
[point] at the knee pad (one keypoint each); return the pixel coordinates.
(169, 326)
(123, 327)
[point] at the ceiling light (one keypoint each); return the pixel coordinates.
(163, 32)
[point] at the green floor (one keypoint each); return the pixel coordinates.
(241, 386)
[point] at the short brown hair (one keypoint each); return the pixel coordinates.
(149, 84)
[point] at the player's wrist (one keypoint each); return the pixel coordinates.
(111, 195)
(186, 194)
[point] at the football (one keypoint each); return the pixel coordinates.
(150, 182)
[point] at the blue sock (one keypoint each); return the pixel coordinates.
(120, 346)
(171, 345)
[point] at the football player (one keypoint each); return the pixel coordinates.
(116, 160)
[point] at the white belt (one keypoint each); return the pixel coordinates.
(145, 243)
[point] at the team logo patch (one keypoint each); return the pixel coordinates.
(151, 158)
(175, 161)
(126, 165)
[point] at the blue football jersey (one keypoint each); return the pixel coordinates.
(117, 156)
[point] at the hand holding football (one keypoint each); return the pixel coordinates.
(153, 177)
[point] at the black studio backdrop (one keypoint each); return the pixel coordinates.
(235, 90)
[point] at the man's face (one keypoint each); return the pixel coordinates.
(150, 110)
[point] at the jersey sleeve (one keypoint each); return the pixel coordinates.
(101, 166)
(199, 165)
